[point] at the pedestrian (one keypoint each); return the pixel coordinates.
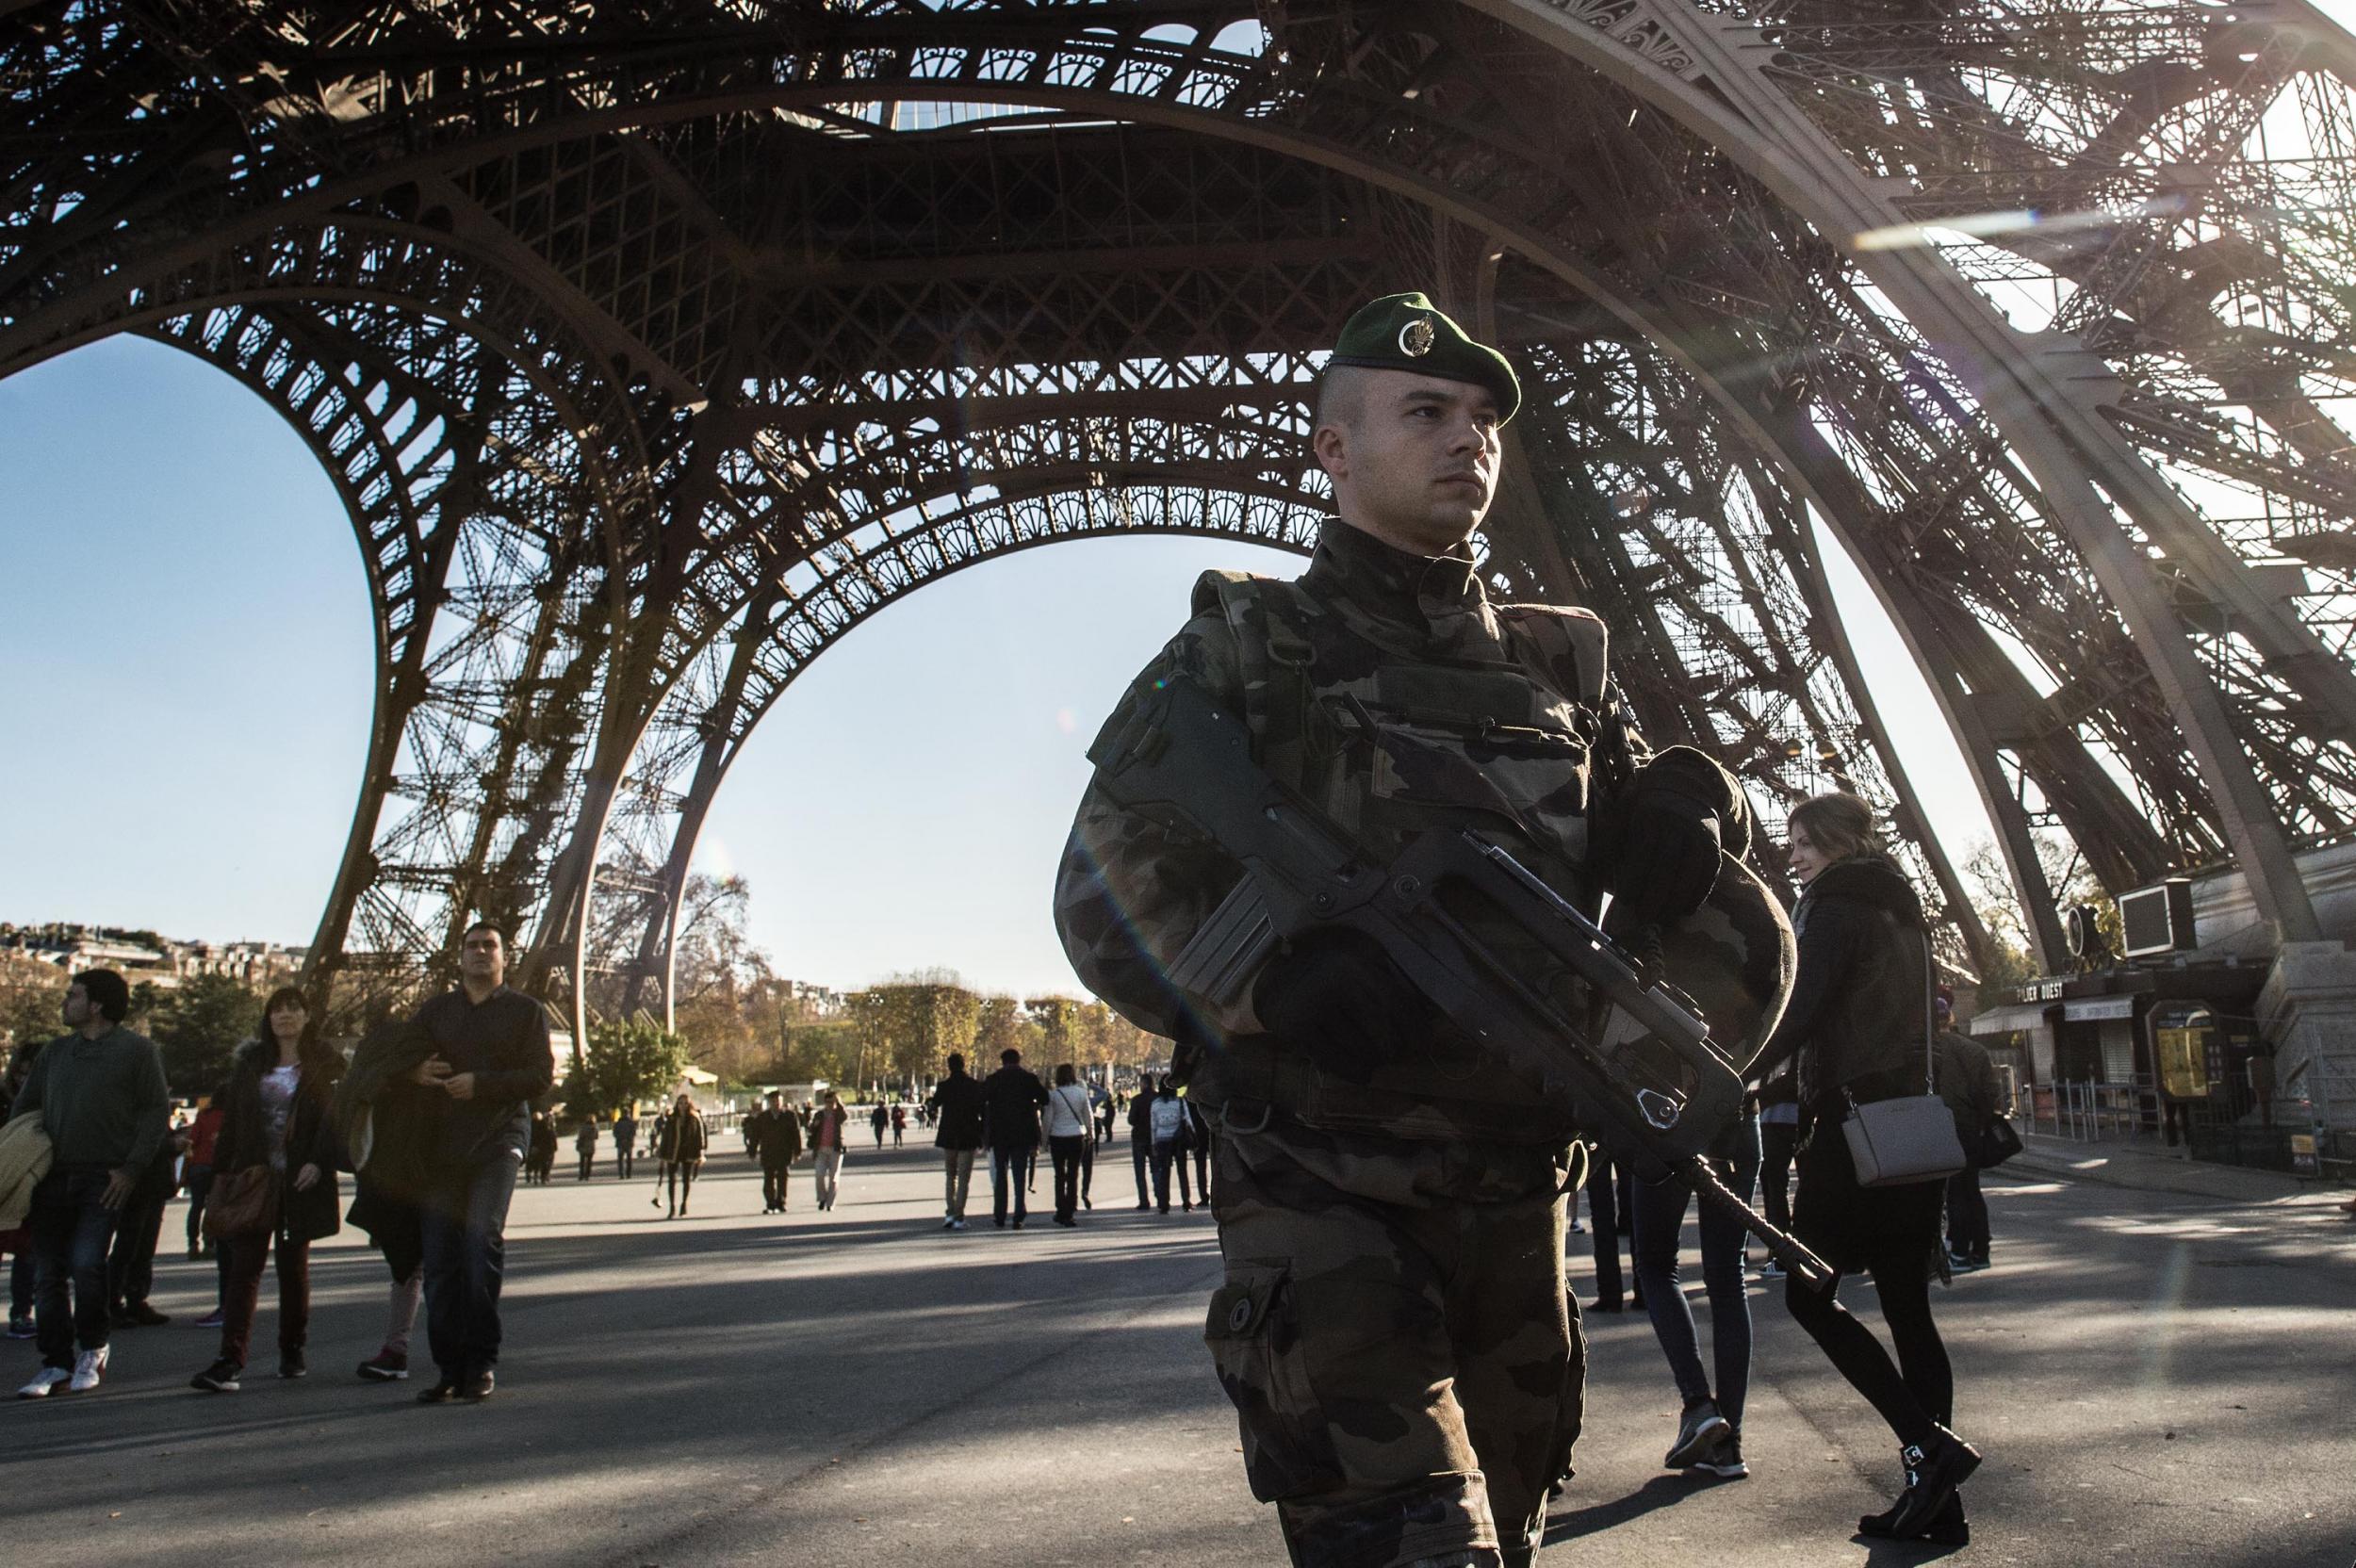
(1611, 1204)
(100, 1094)
(391, 1126)
(1709, 1427)
(585, 1145)
(1393, 1328)
(958, 1106)
(899, 1123)
(1967, 1080)
(1170, 1146)
(21, 1060)
(684, 1140)
(1778, 1141)
(1069, 1129)
(1199, 1147)
(825, 1143)
(879, 1119)
(654, 1147)
(197, 1175)
(1012, 1097)
(139, 1229)
(540, 1150)
(1142, 1139)
(1859, 1028)
(278, 1120)
(775, 1136)
(491, 1058)
(625, 1140)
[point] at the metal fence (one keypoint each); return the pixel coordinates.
(2293, 1133)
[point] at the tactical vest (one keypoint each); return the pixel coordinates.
(1509, 747)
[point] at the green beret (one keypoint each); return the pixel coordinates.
(1406, 332)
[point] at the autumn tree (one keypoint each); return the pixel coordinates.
(31, 995)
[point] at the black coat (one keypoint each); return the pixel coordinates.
(682, 1139)
(1861, 1001)
(244, 1139)
(777, 1138)
(1012, 1097)
(961, 1099)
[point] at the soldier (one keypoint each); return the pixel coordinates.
(1394, 1329)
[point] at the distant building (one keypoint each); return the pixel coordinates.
(142, 957)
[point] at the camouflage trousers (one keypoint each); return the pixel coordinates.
(1405, 1366)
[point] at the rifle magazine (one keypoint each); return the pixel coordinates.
(1228, 949)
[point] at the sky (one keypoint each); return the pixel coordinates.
(185, 675)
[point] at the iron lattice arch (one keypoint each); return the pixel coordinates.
(653, 346)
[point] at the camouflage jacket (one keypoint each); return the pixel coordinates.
(1391, 692)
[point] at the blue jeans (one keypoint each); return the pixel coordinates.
(466, 1255)
(71, 1229)
(1658, 1223)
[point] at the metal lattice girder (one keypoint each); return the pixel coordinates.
(770, 312)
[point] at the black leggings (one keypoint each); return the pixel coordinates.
(1921, 1388)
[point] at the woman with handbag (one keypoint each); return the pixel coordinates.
(1858, 1031)
(682, 1151)
(274, 1183)
(1070, 1121)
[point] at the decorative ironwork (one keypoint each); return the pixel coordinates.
(654, 345)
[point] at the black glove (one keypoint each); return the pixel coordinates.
(1338, 996)
(1667, 860)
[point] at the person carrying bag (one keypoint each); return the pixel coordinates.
(1858, 1030)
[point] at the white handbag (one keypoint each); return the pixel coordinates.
(1912, 1137)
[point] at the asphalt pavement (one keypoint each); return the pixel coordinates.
(2155, 1379)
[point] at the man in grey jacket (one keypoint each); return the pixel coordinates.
(100, 1095)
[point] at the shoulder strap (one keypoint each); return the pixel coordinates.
(1275, 655)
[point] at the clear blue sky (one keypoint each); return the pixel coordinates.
(188, 673)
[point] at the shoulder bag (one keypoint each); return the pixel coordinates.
(243, 1204)
(1998, 1141)
(1911, 1137)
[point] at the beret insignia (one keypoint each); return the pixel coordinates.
(1407, 332)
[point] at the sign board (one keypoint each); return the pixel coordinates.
(2183, 1048)
(2303, 1155)
(2157, 920)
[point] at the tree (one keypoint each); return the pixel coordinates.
(199, 1026)
(629, 1061)
(2073, 882)
(31, 995)
(1000, 1027)
(722, 984)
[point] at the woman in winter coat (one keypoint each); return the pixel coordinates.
(278, 1114)
(682, 1151)
(1857, 1031)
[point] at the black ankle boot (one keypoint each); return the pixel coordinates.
(1949, 1530)
(1935, 1469)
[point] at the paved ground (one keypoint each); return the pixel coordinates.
(2155, 1379)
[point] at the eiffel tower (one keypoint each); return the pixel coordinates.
(654, 346)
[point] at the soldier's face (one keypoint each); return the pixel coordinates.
(1417, 467)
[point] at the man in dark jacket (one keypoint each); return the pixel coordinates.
(1141, 1139)
(775, 1138)
(1967, 1081)
(958, 1103)
(1011, 1098)
(100, 1094)
(491, 1058)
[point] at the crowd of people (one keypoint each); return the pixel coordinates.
(431, 1115)
(435, 1119)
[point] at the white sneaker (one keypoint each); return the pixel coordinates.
(44, 1381)
(90, 1368)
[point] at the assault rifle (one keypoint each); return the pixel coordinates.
(1641, 1074)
